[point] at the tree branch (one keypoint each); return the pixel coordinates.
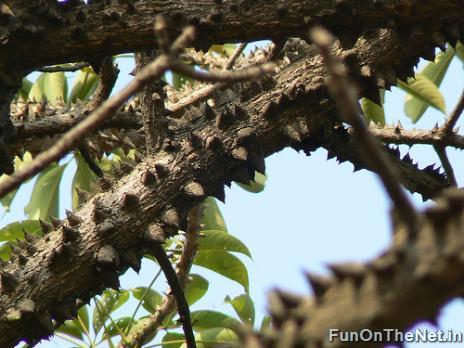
(139, 337)
(447, 128)
(406, 284)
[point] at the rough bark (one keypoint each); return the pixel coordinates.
(291, 109)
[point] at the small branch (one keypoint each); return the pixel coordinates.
(345, 95)
(441, 152)
(224, 76)
(90, 161)
(64, 67)
(238, 51)
(205, 92)
(108, 75)
(448, 127)
(398, 135)
(177, 291)
(182, 270)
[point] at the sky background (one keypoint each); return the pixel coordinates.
(312, 212)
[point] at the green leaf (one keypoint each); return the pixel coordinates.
(460, 51)
(255, 186)
(83, 315)
(422, 92)
(220, 240)
(114, 328)
(110, 301)
(215, 337)
(225, 264)
(85, 83)
(172, 337)
(36, 93)
(435, 71)
(212, 217)
(224, 50)
(207, 319)
(71, 328)
(244, 307)
(151, 300)
(83, 178)
(195, 288)
(18, 164)
(26, 86)
(14, 231)
(372, 111)
(55, 88)
(44, 200)
(178, 80)
(74, 327)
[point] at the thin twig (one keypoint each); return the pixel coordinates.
(398, 135)
(64, 67)
(224, 76)
(345, 95)
(206, 91)
(448, 127)
(238, 51)
(445, 162)
(182, 270)
(177, 291)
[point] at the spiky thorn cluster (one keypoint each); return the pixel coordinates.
(296, 90)
(406, 284)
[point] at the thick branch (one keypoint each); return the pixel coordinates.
(406, 284)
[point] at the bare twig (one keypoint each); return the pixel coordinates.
(441, 152)
(344, 93)
(224, 76)
(205, 92)
(64, 67)
(447, 128)
(238, 51)
(398, 135)
(182, 270)
(177, 291)
(108, 75)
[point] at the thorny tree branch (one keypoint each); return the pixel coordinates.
(345, 95)
(152, 106)
(405, 284)
(151, 72)
(398, 135)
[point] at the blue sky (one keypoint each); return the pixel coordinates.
(313, 211)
